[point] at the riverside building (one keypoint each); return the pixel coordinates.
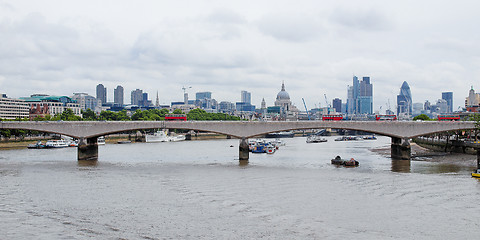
(13, 108)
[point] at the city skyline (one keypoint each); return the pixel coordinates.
(316, 48)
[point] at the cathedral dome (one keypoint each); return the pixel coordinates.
(283, 95)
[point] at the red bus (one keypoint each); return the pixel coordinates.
(386, 117)
(175, 117)
(332, 117)
(448, 117)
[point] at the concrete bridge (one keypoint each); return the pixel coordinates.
(88, 131)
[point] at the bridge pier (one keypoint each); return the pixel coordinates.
(87, 149)
(400, 149)
(243, 149)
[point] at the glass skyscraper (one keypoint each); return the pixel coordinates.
(360, 97)
(448, 96)
(404, 100)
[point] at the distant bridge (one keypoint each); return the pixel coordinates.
(88, 131)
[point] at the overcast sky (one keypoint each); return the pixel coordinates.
(59, 47)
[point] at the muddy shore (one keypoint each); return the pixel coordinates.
(423, 154)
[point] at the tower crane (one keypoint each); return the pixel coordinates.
(326, 101)
(304, 104)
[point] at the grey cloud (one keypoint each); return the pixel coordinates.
(226, 16)
(367, 20)
(291, 28)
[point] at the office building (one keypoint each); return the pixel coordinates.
(137, 97)
(246, 97)
(13, 108)
(85, 101)
(448, 96)
(101, 93)
(337, 105)
(118, 96)
(404, 101)
(360, 97)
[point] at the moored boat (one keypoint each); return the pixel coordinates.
(158, 136)
(38, 145)
(476, 174)
(348, 138)
(56, 144)
(369, 137)
(315, 139)
(101, 140)
(288, 134)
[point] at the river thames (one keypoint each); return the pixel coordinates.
(198, 190)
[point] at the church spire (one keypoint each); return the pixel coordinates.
(157, 103)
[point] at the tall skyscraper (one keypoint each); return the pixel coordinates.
(365, 97)
(337, 105)
(404, 100)
(360, 97)
(246, 97)
(102, 93)
(137, 97)
(448, 96)
(118, 95)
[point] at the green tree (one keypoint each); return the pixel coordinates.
(89, 115)
(421, 117)
(178, 111)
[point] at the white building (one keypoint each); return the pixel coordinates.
(13, 108)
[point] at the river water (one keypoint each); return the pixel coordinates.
(198, 190)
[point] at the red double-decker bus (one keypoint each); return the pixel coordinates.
(388, 117)
(175, 117)
(448, 117)
(332, 117)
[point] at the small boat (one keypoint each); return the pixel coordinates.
(476, 174)
(38, 145)
(73, 144)
(370, 137)
(259, 148)
(288, 134)
(270, 149)
(124, 142)
(177, 138)
(347, 138)
(315, 139)
(101, 140)
(56, 144)
(158, 136)
(339, 161)
(351, 162)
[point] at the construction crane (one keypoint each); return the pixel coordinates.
(185, 89)
(304, 104)
(326, 101)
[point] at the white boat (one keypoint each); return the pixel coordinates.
(270, 149)
(162, 136)
(56, 144)
(101, 140)
(177, 138)
(158, 136)
(315, 139)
